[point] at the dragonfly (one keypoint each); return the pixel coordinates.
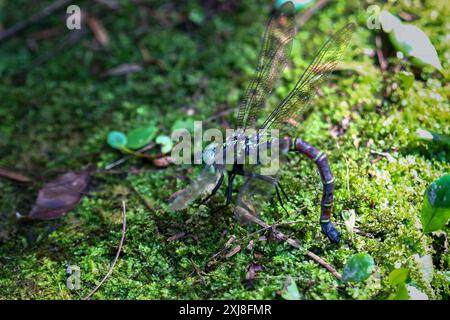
(252, 134)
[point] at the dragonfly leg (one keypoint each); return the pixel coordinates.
(273, 181)
(230, 188)
(279, 198)
(215, 189)
(282, 190)
(231, 176)
(328, 186)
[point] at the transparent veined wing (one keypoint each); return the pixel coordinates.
(273, 57)
(317, 72)
(202, 183)
(261, 180)
(254, 196)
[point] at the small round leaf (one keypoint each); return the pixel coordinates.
(398, 276)
(187, 124)
(165, 142)
(117, 139)
(140, 137)
(407, 79)
(358, 268)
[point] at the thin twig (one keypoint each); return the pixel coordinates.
(15, 176)
(292, 242)
(324, 264)
(22, 25)
(124, 227)
(124, 159)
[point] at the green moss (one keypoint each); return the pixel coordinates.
(59, 119)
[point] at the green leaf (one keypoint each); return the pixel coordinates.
(436, 205)
(398, 276)
(401, 293)
(290, 290)
(187, 124)
(410, 40)
(165, 142)
(358, 268)
(140, 137)
(117, 139)
(197, 16)
(407, 79)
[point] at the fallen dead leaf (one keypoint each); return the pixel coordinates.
(252, 269)
(163, 162)
(60, 195)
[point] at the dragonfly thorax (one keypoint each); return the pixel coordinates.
(242, 149)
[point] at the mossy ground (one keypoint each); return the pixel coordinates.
(58, 119)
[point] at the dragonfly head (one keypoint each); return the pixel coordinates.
(209, 153)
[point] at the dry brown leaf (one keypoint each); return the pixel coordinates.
(163, 162)
(60, 195)
(252, 269)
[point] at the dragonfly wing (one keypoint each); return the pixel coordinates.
(255, 195)
(320, 68)
(203, 183)
(275, 50)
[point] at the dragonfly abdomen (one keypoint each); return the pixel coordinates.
(321, 161)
